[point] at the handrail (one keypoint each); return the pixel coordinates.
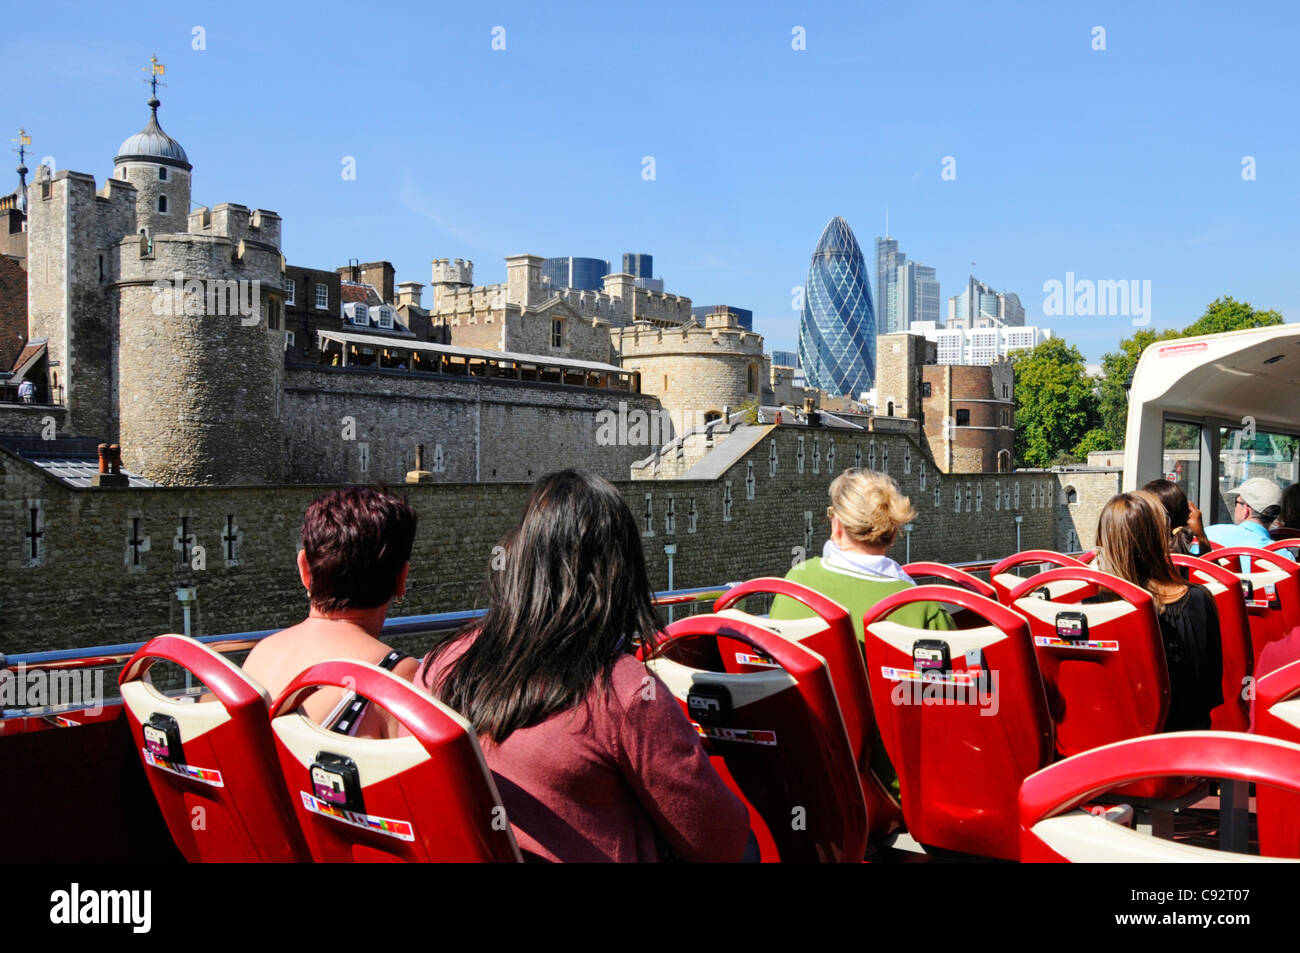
(103, 656)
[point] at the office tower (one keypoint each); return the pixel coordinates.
(785, 358)
(906, 291)
(980, 306)
(638, 265)
(744, 316)
(584, 274)
(837, 333)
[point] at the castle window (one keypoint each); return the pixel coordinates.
(926, 389)
(750, 383)
(162, 203)
(323, 297)
(963, 418)
(288, 340)
(290, 288)
(557, 333)
(101, 267)
(162, 173)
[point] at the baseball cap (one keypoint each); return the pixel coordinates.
(1260, 494)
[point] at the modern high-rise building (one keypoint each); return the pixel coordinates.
(837, 334)
(983, 345)
(906, 291)
(980, 306)
(785, 358)
(584, 274)
(744, 317)
(638, 265)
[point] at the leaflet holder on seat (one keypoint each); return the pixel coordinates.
(963, 716)
(1272, 590)
(831, 635)
(1052, 829)
(211, 764)
(774, 732)
(1004, 579)
(424, 797)
(1234, 631)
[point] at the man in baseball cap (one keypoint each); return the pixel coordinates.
(1259, 500)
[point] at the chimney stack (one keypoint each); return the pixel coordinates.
(110, 467)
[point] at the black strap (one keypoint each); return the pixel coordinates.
(347, 722)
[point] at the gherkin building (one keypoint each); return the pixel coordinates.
(837, 334)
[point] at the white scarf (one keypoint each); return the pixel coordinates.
(864, 563)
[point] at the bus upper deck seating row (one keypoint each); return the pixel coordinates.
(787, 710)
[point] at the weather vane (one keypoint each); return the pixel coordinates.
(154, 69)
(24, 140)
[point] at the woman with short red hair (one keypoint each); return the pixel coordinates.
(356, 551)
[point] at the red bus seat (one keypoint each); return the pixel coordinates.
(212, 764)
(1275, 583)
(1277, 715)
(424, 797)
(774, 733)
(1004, 578)
(1053, 829)
(951, 574)
(1111, 684)
(1234, 630)
(1282, 545)
(964, 738)
(830, 634)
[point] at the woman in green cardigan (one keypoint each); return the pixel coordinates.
(866, 512)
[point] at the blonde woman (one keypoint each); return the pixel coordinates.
(866, 512)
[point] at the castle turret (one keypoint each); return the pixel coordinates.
(159, 169)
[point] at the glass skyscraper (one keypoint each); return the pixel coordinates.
(584, 274)
(837, 334)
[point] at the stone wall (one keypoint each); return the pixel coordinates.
(103, 578)
(472, 429)
(13, 309)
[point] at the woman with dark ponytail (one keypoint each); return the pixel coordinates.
(1187, 535)
(592, 754)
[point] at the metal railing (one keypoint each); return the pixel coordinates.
(395, 629)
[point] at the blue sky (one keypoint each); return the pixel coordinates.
(1124, 163)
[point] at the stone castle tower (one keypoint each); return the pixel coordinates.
(164, 326)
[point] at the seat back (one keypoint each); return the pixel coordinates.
(1004, 578)
(1052, 829)
(211, 764)
(1274, 609)
(1290, 548)
(831, 635)
(951, 574)
(427, 796)
(774, 733)
(1106, 681)
(1234, 631)
(1277, 715)
(963, 716)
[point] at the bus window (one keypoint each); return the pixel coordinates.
(1182, 457)
(1245, 453)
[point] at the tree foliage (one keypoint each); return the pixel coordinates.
(1056, 407)
(1224, 314)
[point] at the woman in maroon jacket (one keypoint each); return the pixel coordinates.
(592, 754)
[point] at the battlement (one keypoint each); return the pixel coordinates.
(645, 339)
(455, 271)
(187, 256)
(237, 223)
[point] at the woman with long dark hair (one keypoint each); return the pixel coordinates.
(1187, 535)
(592, 754)
(1133, 536)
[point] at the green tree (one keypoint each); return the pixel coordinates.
(1094, 440)
(1224, 314)
(1055, 403)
